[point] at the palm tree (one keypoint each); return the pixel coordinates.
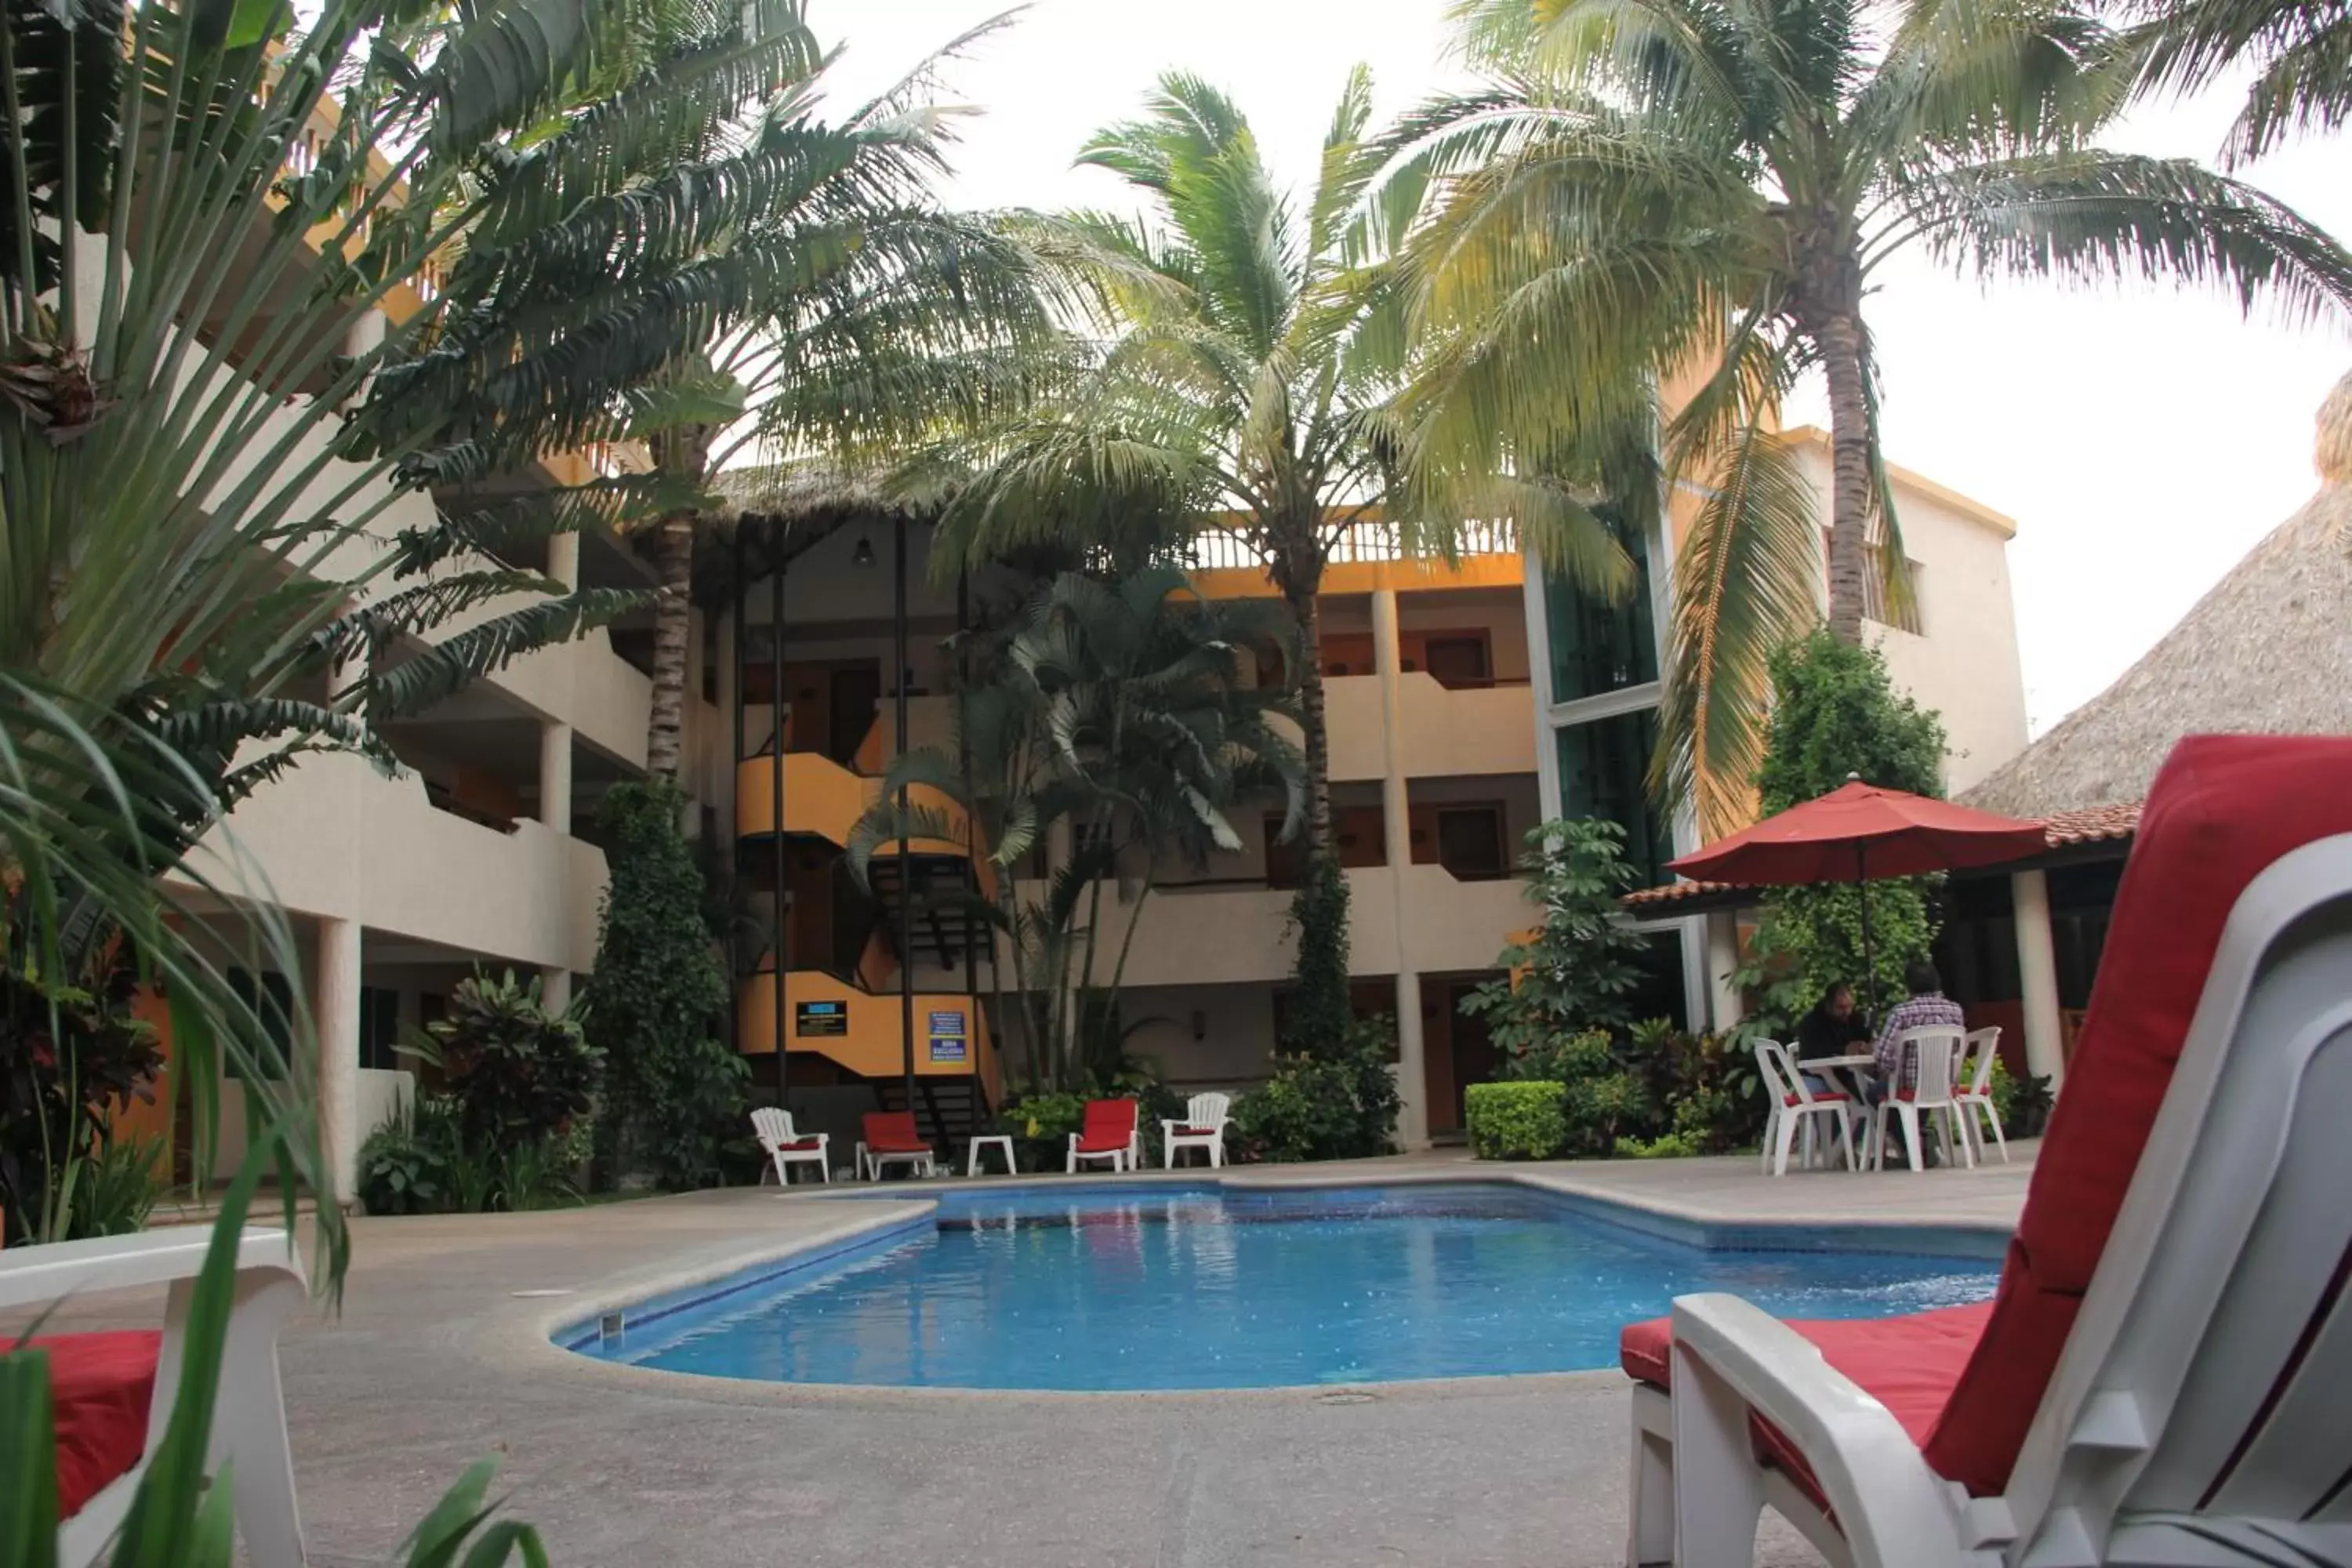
(1120, 707)
(1646, 186)
(2302, 56)
(194, 541)
(694, 259)
(1243, 387)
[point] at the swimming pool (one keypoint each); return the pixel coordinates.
(1072, 1287)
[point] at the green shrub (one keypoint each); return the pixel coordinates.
(404, 1166)
(1040, 1126)
(1319, 1011)
(1665, 1146)
(1340, 1105)
(521, 1076)
(1521, 1120)
(1574, 974)
(674, 1093)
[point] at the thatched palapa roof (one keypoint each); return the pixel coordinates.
(2268, 651)
(780, 509)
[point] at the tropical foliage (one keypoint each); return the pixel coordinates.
(695, 261)
(1578, 969)
(519, 1074)
(1698, 195)
(1340, 1103)
(2301, 56)
(1243, 390)
(674, 1087)
(1836, 715)
(1123, 710)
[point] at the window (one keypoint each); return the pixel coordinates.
(379, 1028)
(1470, 842)
(1457, 662)
(273, 999)
(1598, 647)
(1874, 588)
(1604, 769)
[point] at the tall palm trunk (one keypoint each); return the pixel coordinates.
(1306, 609)
(685, 453)
(1831, 312)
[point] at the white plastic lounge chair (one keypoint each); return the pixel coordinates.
(786, 1148)
(1934, 1048)
(1976, 1092)
(249, 1414)
(1202, 1127)
(1795, 1106)
(2161, 1380)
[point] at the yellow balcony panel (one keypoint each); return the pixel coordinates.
(860, 1030)
(825, 800)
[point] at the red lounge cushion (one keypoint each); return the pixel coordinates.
(1908, 1363)
(893, 1132)
(99, 1387)
(898, 1148)
(1105, 1145)
(2222, 809)
(1822, 1097)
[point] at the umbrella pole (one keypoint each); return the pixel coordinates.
(1869, 968)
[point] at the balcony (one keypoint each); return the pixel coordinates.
(334, 837)
(824, 800)
(1449, 731)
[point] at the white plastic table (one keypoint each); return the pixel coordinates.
(1003, 1141)
(1833, 1070)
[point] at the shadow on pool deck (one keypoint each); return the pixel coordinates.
(436, 1360)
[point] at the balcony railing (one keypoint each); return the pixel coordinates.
(1224, 549)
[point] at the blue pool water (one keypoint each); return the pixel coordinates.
(1072, 1288)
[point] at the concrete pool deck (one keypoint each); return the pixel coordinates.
(440, 1355)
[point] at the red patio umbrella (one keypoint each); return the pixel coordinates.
(1858, 831)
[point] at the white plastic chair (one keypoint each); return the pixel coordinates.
(2196, 1416)
(786, 1148)
(1937, 1049)
(1796, 1105)
(1975, 1098)
(1204, 1127)
(249, 1410)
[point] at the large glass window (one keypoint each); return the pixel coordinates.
(1598, 647)
(1603, 765)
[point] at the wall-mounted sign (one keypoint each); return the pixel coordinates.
(820, 1018)
(948, 1040)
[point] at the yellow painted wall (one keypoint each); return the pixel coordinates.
(872, 1046)
(1367, 576)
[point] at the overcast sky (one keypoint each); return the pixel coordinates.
(2143, 438)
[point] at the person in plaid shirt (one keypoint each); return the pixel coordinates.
(1926, 1005)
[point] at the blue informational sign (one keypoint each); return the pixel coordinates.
(821, 1018)
(948, 1048)
(948, 1023)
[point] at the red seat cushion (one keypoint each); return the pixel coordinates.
(1196, 1131)
(893, 1132)
(1908, 1364)
(1822, 1097)
(799, 1146)
(2223, 810)
(99, 1388)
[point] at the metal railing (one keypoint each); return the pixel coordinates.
(1225, 548)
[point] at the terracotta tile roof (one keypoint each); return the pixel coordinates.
(2094, 825)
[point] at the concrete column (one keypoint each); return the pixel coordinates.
(2037, 966)
(1722, 959)
(564, 559)
(362, 337)
(1396, 833)
(555, 988)
(335, 1011)
(555, 775)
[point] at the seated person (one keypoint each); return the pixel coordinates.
(1926, 1004)
(1831, 1029)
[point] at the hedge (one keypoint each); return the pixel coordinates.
(1517, 1120)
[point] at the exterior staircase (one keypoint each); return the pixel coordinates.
(948, 1110)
